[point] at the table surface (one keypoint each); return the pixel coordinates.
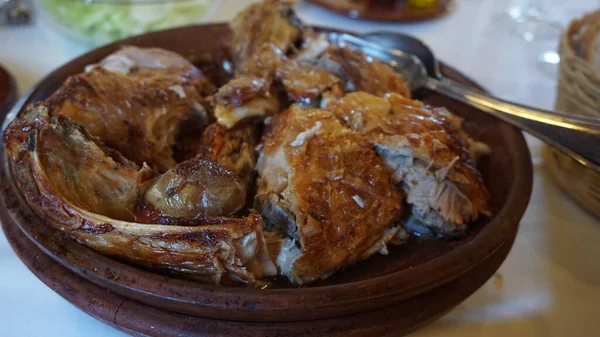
(548, 286)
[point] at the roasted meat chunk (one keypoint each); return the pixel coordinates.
(362, 73)
(427, 152)
(263, 63)
(89, 192)
(265, 22)
(233, 148)
(323, 186)
(304, 82)
(313, 46)
(243, 98)
(136, 111)
(65, 159)
(142, 62)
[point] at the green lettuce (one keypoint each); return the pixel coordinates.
(99, 23)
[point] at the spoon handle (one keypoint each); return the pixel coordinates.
(576, 136)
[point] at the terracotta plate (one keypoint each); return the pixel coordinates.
(143, 320)
(375, 283)
(386, 10)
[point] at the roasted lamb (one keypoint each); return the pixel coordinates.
(90, 193)
(323, 186)
(142, 158)
(427, 152)
(363, 73)
(135, 105)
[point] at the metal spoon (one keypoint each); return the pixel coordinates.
(576, 136)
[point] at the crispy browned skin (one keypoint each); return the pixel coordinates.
(233, 148)
(334, 185)
(265, 22)
(426, 149)
(137, 112)
(253, 93)
(70, 182)
(303, 81)
(362, 73)
(145, 62)
(242, 98)
(263, 63)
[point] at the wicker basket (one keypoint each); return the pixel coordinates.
(578, 93)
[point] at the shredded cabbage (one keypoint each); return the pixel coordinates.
(105, 22)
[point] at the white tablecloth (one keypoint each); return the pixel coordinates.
(551, 279)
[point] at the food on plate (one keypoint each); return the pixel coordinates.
(304, 82)
(427, 152)
(134, 101)
(335, 195)
(267, 22)
(363, 73)
(306, 159)
(90, 193)
(243, 98)
(234, 148)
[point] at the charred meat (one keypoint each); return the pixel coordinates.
(267, 22)
(304, 82)
(77, 187)
(362, 73)
(136, 111)
(142, 158)
(243, 98)
(332, 207)
(233, 148)
(426, 151)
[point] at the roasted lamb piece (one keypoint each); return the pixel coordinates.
(142, 62)
(266, 22)
(304, 82)
(243, 98)
(254, 93)
(89, 192)
(362, 73)
(313, 46)
(233, 148)
(427, 152)
(323, 186)
(133, 105)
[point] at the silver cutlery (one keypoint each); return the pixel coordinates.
(576, 136)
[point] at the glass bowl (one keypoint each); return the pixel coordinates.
(97, 22)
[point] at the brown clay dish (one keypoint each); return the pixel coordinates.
(382, 10)
(409, 270)
(142, 320)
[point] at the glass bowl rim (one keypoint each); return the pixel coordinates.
(138, 2)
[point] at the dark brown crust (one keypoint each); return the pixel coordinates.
(303, 81)
(207, 254)
(188, 167)
(345, 228)
(126, 112)
(233, 148)
(368, 75)
(241, 90)
(423, 126)
(261, 23)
